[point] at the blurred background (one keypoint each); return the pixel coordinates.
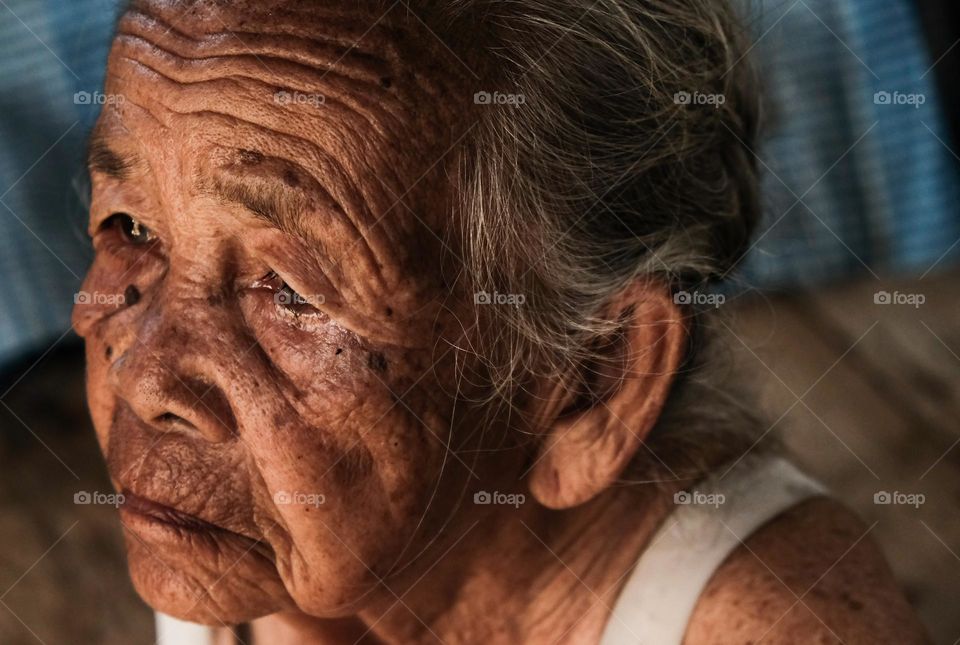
(844, 312)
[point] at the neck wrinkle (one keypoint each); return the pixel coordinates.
(530, 574)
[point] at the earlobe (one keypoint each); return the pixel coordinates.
(589, 440)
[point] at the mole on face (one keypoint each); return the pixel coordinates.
(131, 295)
(109, 351)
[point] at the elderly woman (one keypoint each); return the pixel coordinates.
(400, 349)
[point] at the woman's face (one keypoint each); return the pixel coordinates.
(269, 330)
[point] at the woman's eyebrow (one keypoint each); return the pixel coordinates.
(267, 198)
(103, 159)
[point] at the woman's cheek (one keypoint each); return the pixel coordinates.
(106, 313)
(99, 396)
(326, 364)
(387, 401)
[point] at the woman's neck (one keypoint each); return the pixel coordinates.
(529, 574)
(525, 574)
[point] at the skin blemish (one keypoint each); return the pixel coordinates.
(377, 362)
(389, 311)
(109, 351)
(339, 351)
(131, 295)
(290, 178)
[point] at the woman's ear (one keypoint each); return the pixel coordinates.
(590, 431)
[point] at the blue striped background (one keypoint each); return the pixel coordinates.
(879, 189)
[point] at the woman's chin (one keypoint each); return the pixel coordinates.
(230, 592)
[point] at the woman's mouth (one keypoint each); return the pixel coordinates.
(159, 523)
(157, 512)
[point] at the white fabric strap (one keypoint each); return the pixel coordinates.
(708, 524)
(172, 631)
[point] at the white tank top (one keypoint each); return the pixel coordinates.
(655, 605)
(710, 521)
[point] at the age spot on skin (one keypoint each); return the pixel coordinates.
(131, 295)
(109, 351)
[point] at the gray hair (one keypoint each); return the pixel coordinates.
(624, 153)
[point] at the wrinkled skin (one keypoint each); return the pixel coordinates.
(308, 463)
(210, 397)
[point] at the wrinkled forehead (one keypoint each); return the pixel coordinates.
(340, 86)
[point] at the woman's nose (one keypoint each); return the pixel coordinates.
(167, 397)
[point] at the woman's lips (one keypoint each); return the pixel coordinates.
(156, 511)
(168, 525)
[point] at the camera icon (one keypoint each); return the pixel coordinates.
(481, 298)
(82, 98)
(682, 98)
(82, 497)
(282, 97)
(482, 98)
(682, 497)
(882, 298)
(482, 497)
(82, 298)
(682, 298)
(281, 498)
(882, 497)
(882, 98)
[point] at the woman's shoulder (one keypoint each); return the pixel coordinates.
(812, 572)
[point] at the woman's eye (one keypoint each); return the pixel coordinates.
(131, 229)
(284, 296)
